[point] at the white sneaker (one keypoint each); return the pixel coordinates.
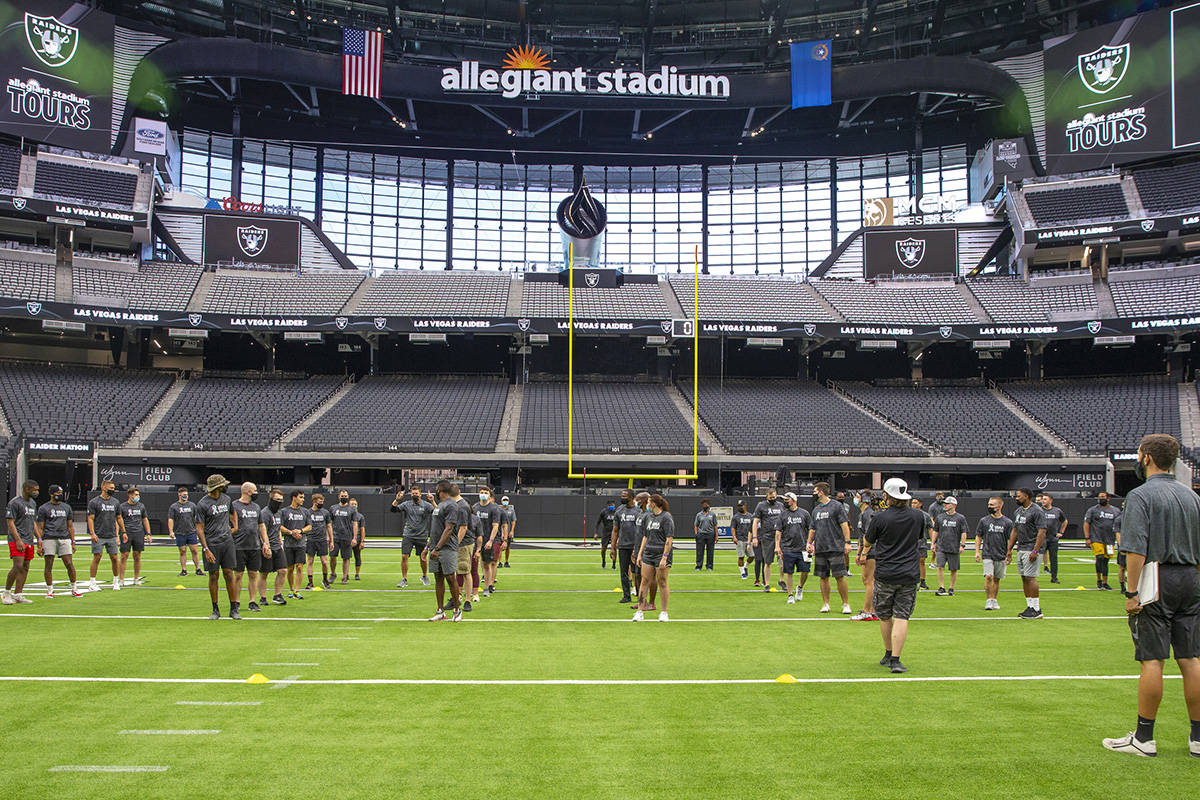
(1129, 744)
(475, 599)
(745, 574)
(21, 598)
(8, 599)
(49, 593)
(846, 609)
(424, 580)
(139, 581)
(662, 617)
(93, 586)
(791, 601)
(825, 608)
(116, 584)
(457, 615)
(438, 617)
(1194, 748)
(75, 591)
(638, 616)
(799, 595)
(402, 584)
(633, 593)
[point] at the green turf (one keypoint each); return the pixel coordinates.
(1037, 738)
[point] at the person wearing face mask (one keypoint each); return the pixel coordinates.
(250, 539)
(740, 526)
(510, 527)
(216, 525)
(23, 540)
(134, 527)
(704, 529)
(1056, 525)
(604, 526)
(624, 537)
(949, 541)
(102, 527)
(488, 517)
(1029, 538)
(276, 562)
(655, 556)
(991, 548)
(829, 544)
(345, 535)
(362, 538)
(466, 548)
(56, 537)
(1101, 524)
(418, 515)
(762, 536)
(320, 540)
(790, 542)
(294, 525)
(181, 524)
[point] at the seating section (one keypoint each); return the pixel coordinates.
(161, 285)
(1076, 204)
(442, 293)
(27, 281)
(750, 299)
(1171, 188)
(240, 414)
(1098, 414)
(763, 417)
(631, 301)
(613, 416)
(1011, 300)
(86, 184)
(966, 421)
(78, 403)
(1160, 296)
(10, 166)
(318, 292)
(937, 304)
(411, 414)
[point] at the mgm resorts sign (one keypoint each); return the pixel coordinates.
(526, 72)
(929, 208)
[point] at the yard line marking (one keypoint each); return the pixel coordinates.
(622, 619)
(295, 680)
(105, 768)
(218, 703)
(286, 664)
(208, 732)
(309, 650)
(327, 638)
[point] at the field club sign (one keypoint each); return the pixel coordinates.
(525, 71)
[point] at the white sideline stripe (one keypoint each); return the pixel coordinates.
(295, 680)
(218, 703)
(621, 619)
(308, 650)
(286, 664)
(168, 733)
(327, 638)
(105, 768)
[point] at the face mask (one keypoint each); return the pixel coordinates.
(505, 503)
(57, 497)
(135, 499)
(483, 498)
(254, 495)
(343, 500)
(1104, 501)
(274, 505)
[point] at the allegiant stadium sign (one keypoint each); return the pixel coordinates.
(525, 72)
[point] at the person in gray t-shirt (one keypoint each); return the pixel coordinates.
(102, 527)
(1029, 539)
(1101, 526)
(508, 520)
(320, 540)
(181, 523)
(417, 514)
(23, 540)
(450, 521)
(624, 537)
(134, 526)
(344, 525)
(704, 528)
(215, 526)
(294, 525)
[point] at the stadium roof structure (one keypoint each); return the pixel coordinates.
(271, 70)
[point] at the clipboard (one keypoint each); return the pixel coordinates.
(1148, 584)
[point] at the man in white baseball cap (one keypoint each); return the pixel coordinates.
(894, 538)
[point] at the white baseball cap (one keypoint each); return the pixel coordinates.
(897, 488)
(791, 496)
(949, 500)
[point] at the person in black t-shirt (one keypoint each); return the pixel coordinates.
(895, 540)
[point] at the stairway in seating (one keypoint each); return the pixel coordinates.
(514, 305)
(976, 307)
(704, 434)
(506, 440)
(200, 293)
(1189, 416)
(147, 425)
(884, 421)
(1052, 438)
(356, 298)
(300, 427)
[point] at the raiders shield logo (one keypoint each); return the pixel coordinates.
(251, 239)
(945, 331)
(33, 308)
(341, 323)
(522, 325)
(665, 325)
(1102, 69)
(809, 329)
(592, 279)
(1147, 225)
(51, 41)
(19, 203)
(195, 319)
(1007, 152)
(1094, 327)
(911, 252)
(380, 323)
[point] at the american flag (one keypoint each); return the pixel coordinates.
(362, 62)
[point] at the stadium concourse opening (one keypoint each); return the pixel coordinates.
(365, 363)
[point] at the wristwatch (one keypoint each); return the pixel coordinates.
(1130, 595)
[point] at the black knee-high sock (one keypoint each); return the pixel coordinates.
(757, 570)
(1102, 566)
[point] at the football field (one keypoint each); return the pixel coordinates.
(548, 690)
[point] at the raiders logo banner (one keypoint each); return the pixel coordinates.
(260, 240)
(910, 251)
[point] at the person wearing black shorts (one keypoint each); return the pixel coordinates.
(1100, 525)
(215, 525)
(276, 562)
(362, 539)
(450, 520)
(344, 534)
(762, 536)
(865, 560)
(418, 515)
(895, 536)
(925, 539)
(320, 540)
(790, 542)
(1056, 526)
(490, 520)
(294, 527)
(829, 544)
(950, 542)
(251, 541)
(134, 526)
(655, 557)
(1162, 527)
(624, 536)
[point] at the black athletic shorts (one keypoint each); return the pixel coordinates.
(342, 550)
(488, 554)
(277, 562)
(224, 555)
(653, 559)
(830, 564)
(1174, 621)
(249, 560)
(294, 555)
(317, 547)
(895, 600)
(764, 553)
(1120, 558)
(137, 542)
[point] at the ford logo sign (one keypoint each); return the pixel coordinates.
(149, 133)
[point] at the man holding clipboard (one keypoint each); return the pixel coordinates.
(1160, 537)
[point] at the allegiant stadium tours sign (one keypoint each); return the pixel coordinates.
(526, 72)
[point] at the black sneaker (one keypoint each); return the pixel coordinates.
(345, 581)
(278, 600)
(492, 589)
(183, 573)
(233, 614)
(309, 585)
(950, 591)
(1105, 587)
(767, 589)
(697, 569)
(897, 667)
(923, 585)
(253, 607)
(357, 578)
(626, 599)
(467, 606)
(782, 586)
(886, 661)
(1030, 613)
(262, 601)
(506, 565)
(199, 572)
(215, 614)
(614, 566)
(1055, 580)
(941, 591)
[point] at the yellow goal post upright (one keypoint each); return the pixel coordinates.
(571, 473)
